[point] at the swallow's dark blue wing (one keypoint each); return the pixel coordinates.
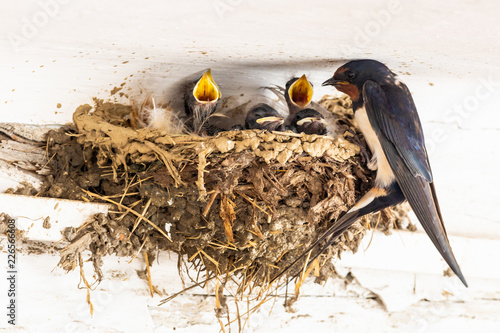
(397, 118)
(398, 129)
(376, 201)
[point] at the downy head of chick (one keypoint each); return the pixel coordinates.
(309, 121)
(264, 117)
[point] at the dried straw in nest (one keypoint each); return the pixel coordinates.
(240, 205)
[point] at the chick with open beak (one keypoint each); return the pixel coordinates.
(298, 95)
(264, 117)
(200, 102)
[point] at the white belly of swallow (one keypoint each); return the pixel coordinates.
(385, 176)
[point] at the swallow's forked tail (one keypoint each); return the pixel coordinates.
(372, 202)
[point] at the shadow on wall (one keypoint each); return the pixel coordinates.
(239, 79)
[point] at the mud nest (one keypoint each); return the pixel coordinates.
(242, 203)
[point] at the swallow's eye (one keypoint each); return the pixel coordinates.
(351, 74)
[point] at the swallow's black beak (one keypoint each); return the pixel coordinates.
(333, 82)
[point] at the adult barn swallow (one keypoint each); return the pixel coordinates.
(201, 100)
(309, 121)
(388, 119)
(264, 117)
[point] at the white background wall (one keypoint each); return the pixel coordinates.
(66, 52)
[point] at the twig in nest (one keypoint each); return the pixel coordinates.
(255, 225)
(227, 215)
(301, 135)
(82, 278)
(237, 313)
(200, 251)
(223, 246)
(140, 181)
(123, 214)
(211, 201)
(139, 251)
(198, 284)
(128, 210)
(149, 273)
(217, 298)
(127, 188)
(120, 195)
(281, 256)
(50, 159)
(167, 158)
(221, 325)
(139, 219)
(305, 273)
(252, 202)
(250, 311)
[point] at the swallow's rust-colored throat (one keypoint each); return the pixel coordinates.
(349, 89)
